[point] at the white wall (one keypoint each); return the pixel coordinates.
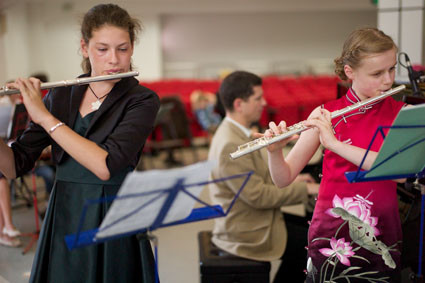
(15, 40)
(258, 40)
(184, 38)
(46, 37)
(54, 36)
(147, 56)
(404, 21)
(2, 52)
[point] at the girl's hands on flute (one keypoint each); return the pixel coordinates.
(31, 95)
(275, 130)
(322, 123)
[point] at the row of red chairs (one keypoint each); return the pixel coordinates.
(289, 98)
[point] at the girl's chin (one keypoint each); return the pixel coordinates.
(114, 81)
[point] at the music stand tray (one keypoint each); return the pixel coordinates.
(403, 151)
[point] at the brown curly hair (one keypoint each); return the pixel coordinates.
(107, 14)
(359, 44)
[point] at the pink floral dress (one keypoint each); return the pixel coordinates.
(355, 232)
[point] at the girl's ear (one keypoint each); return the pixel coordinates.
(349, 72)
(84, 48)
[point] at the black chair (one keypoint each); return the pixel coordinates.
(172, 124)
(218, 266)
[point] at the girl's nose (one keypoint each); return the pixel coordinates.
(114, 57)
(388, 78)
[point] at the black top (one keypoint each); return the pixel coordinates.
(120, 126)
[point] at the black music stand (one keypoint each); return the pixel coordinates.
(143, 208)
(404, 144)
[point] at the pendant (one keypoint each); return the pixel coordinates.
(95, 105)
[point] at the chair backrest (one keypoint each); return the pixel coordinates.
(163, 114)
(174, 122)
(5, 117)
(19, 123)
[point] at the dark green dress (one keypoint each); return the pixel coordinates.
(124, 260)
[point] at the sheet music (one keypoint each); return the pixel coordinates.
(139, 212)
(411, 160)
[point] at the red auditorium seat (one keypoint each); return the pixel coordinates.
(289, 98)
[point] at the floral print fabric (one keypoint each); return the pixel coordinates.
(356, 213)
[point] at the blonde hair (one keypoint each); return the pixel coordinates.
(359, 44)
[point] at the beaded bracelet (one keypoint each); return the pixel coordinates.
(52, 129)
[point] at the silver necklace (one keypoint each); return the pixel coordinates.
(95, 105)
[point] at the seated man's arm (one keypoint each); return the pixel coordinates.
(259, 192)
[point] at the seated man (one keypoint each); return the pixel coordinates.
(255, 226)
(202, 104)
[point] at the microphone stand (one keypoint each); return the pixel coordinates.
(419, 184)
(414, 79)
(418, 277)
(414, 76)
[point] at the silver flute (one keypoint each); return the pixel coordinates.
(78, 81)
(299, 127)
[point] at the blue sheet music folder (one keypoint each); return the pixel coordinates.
(402, 153)
(84, 238)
